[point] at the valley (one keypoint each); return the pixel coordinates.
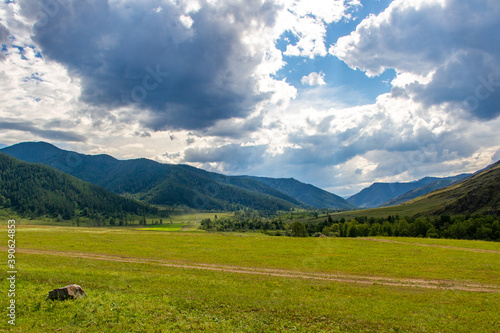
(241, 253)
(178, 281)
(250, 166)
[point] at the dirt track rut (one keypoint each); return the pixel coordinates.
(467, 249)
(335, 277)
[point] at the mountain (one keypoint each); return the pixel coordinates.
(478, 194)
(306, 193)
(435, 185)
(378, 193)
(162, 184)
(36, 190)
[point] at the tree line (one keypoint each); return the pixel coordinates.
(478, 227)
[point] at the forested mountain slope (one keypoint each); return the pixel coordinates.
(35, 190)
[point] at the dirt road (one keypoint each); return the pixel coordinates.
(335, 277)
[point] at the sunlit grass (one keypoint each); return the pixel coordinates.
(349, 255)
(146, 297)
(177, 222)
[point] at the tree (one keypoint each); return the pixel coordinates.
(420, 227)
(352, 230)
(298, 229)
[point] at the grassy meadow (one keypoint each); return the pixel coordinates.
(181, 222)
(181, 281)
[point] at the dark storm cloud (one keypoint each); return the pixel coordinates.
(235, 128)
(54, 135)
(333, 149)
(4, 38)
(147, 54)
(470, 81)
(4, 34)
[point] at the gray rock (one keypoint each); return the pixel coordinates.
(68, 292)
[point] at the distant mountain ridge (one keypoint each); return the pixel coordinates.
(378, 193)
(306, 193)
(168, 184)
(389, 194)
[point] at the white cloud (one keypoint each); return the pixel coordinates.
(55, 94)
(442, 52)
(448, 48)
(314, 79)
(395, 139)
(307, 20)
(187, 21)
(407, 36)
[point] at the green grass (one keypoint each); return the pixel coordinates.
(195, 217)
(165, 227)
(349, 255)
(145, 297)
(471, 244)
(172, 227)
(185, 222)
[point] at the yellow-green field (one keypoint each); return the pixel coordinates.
(193, 217)
(181, 222)
(160, 281)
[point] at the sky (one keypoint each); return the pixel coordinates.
(339, 94)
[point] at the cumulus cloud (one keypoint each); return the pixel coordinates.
(232, 157)
(346, 149)
(36, 98)
(451, 41)
(192, 82)
(395, 139)
(235, 128)
(187, 75)
(189, 64)
(314, 79)
(307, 20)
(184, 65)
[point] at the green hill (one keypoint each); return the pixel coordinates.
(36, 190)
(479, 194)
(423, 190)
(156, 183)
